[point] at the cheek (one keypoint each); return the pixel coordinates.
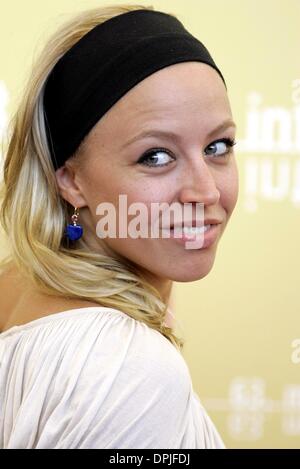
(131, 199)
(145, 192)
(143, 198)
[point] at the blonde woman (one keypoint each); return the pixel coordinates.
(123, 101)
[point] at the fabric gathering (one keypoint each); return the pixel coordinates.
(96, 378)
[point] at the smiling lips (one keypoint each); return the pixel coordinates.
(204, 235)
(195, 223)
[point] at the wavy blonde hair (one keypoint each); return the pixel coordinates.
(34, 215)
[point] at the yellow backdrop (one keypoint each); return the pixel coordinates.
(241, 323)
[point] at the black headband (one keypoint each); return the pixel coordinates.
(106, 63)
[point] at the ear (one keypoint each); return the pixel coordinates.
(68, 186)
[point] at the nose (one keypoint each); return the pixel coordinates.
(198, 183)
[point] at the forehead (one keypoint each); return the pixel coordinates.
(188, 83)
(174, 95)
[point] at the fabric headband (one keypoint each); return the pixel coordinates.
(106, 63)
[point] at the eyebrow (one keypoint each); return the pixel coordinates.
(171, 135)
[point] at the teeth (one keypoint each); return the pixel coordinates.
(195, 230)
(189, 230)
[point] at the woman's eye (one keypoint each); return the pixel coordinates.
(224, 145)
(156, 158)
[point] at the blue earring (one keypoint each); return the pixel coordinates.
(74, 231)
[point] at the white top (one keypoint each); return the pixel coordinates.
(96, 378)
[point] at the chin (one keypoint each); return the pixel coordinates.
(190, 276)
(192, 269)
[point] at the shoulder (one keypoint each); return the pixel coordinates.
(11, 287)
(104, 380)
(21, 302)
(132, 387)
(96, 336)
(8, 272)
(104, 341)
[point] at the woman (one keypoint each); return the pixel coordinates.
(123, 101)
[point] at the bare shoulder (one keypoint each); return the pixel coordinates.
(11, 285)
(8, 270)
(10, 290)
(21, 302)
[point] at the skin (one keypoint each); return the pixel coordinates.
(190, 100)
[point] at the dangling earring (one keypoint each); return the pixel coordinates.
(74, 231)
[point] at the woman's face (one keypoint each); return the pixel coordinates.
(190, 101)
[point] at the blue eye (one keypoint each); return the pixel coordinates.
(156, 154)
(164, 157)
(224, 143)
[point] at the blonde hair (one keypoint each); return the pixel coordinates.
(34, 215)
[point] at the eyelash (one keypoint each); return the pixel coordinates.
(228, 141)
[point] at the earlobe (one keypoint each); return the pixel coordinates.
(68, 187)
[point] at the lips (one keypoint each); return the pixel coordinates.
(199, 240)
(189, 232)
(194, 223)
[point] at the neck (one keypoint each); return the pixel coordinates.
(164, 286)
